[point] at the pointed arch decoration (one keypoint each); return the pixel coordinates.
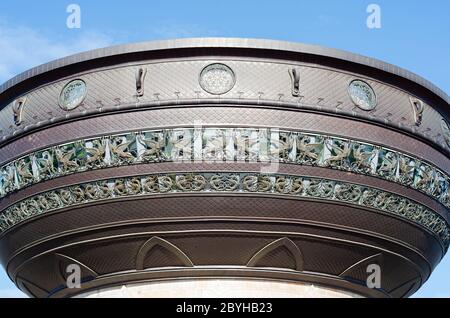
(149, 246)
(64, 260)
(405, 289)
(282, 243)
(353, 269)
(30, 288)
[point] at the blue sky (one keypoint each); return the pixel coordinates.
(414, 35)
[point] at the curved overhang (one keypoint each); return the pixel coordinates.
(204, 46)
(184, 182)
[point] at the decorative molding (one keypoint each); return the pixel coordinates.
(405, 288)
(362, 95)
(418, 108)
(282, 243)
(155, 241)
(275, 184)
(140, 79)
(372, 259)
(72, 95)
(117, 94)
(86, 272)
(295, 80)
(217, 79)
(30, 288)
(226, 144)
(17, 108)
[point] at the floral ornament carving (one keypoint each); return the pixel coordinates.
(309, 149)
(123, 149)
(281, 147)
(224, 144)
(259, 183)
(8, 179)
(47, 165)
(214, 144)
(294, 186)
(191, 182)
(245, 144)
(439, 185)
(340, 151)
(73, 94)
(362, 95)
(134, 186)
(348, 192)
(387, 164)
(156, 184)
(70, 157)
(120, 187)
(24, 170)
(224, 182)
(154, 144)
(319, 188)
(424, 177)
(289, 185)
(217, 79)
(95, 153)
(406, 169)
(181, 143)
(361, 158)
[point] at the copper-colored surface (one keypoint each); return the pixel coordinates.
(199, 234)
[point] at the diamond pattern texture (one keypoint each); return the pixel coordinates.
(176, 82)
(222, 116)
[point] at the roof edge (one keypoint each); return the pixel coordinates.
(239, 43)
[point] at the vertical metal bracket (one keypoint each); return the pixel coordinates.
(17, 108)
(140, 77)
(295, 79)
(418, 108)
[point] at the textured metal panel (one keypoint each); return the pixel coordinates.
(216, 228)
(223, 43)
(222, 206)
(176, 82)
(236, 248)
(183, 235)
(223, 116)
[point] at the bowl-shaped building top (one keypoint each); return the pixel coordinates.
(201, 163)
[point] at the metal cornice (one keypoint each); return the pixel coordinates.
(137, 51)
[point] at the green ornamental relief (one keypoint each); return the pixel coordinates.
(283, 185)
(225, 145)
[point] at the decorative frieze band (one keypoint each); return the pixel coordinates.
(226, 144)
(296, 186)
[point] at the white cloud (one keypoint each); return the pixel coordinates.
(22, 47)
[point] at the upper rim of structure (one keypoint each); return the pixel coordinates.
(239, 43)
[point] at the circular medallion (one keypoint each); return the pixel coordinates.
(73, 94)
(362, 95)
(445, 131)
(217, 79)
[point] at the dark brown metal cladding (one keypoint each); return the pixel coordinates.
(201, 230)
(221, 115)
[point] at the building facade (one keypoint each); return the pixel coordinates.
(222, 167)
